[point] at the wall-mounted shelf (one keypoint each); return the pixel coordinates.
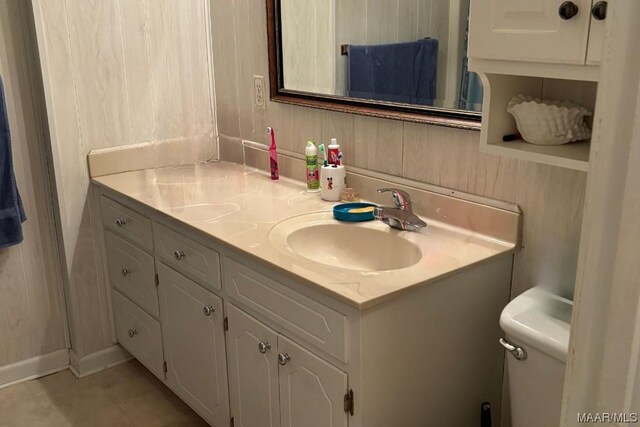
(540, 49)
(497, 122)
(572, 156)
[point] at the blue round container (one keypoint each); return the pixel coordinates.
(343, 212)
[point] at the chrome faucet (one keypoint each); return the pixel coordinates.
(401, 216)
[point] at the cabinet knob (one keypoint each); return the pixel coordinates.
(121, 222)
(125, 272)
(133, 332)
(599, 10)
(568, 10)
(179, 255)
(263, 347)
(284, 358)
(207, 310)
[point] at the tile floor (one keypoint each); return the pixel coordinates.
(125, 395)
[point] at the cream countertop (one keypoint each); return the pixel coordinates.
(238, 206)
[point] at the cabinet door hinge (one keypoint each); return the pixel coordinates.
(225, 324)
(164, 366)
(348, 402)
(233, 423)
(157, 280)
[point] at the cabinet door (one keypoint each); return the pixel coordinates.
(253, 371)
(311, 390)
(528, 30)
(193, 337)
(596, 37)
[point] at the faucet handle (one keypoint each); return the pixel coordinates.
(401, 198)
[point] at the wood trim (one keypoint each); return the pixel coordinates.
(99, 361)
(385, 110)
(34, 367)
(603, 360)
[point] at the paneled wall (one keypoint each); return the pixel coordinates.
(551, 198)
(118, 72)
(31, 311)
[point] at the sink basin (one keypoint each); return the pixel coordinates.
(370, 246)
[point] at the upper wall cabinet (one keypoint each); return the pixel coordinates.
(534, 31)
(547, 49)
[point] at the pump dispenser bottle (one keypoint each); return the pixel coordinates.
(313, 177)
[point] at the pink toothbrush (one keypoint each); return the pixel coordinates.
(273, 154)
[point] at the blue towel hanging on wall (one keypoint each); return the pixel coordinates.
(398, 72)
(11, 210)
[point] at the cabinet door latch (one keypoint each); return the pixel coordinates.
(225, 323)
(348, 402)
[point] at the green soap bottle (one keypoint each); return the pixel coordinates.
(313, 176)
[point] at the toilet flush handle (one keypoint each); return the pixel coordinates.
(518, 352)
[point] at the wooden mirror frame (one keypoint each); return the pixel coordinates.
(387, 110)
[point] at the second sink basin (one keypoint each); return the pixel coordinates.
(370, 246)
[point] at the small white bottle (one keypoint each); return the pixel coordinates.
(333, 151)
(333, 181)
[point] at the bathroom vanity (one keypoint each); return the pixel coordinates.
(210, 294)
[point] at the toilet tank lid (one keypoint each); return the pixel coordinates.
(539, 319)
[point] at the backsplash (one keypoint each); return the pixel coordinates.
(551, 197)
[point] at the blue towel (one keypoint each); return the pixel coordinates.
(11, 210)
(398, 72)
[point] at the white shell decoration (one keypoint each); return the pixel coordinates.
(549, 122)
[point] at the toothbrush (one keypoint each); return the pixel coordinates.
(273, 154)
(338, 160)
(325, 163)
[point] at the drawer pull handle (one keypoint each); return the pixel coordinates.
(125, 272)
(263, 347)
(133, 333)
(284, 358)
(121, 222)
(179, 255)
(207, 310)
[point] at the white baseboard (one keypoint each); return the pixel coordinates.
(35, 367)
(98, 361)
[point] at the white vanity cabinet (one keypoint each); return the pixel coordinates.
(247, 343)
(275, 382)
(192, 321)
(551, 31)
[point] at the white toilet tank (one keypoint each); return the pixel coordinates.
(538, 322)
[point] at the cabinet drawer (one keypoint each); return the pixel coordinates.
(139, 333)
(127, 222)
(132, 272)
(191, 258)
(313, 322)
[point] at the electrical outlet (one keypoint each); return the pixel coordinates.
(258, 91)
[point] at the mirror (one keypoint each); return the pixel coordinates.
(402, 59)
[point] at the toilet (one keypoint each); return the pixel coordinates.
(536, 326)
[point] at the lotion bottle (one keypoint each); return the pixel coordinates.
(311, 157)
